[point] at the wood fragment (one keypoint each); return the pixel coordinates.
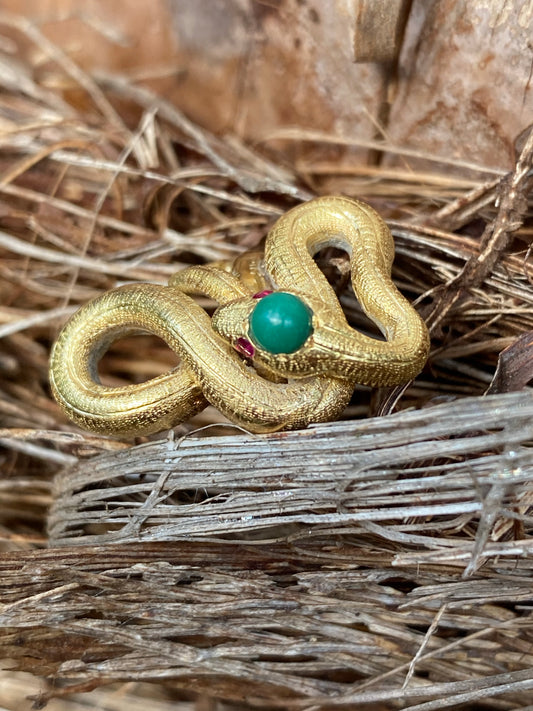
(515, 366)
(379, 26)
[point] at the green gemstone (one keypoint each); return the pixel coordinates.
(280, 323)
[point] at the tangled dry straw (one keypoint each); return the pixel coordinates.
(374, 563)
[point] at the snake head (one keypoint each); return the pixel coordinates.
(273, 329)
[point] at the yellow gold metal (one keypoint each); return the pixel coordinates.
(274, 391)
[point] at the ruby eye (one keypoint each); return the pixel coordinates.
(261, 294)
(244, 347)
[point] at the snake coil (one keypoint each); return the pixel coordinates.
(234, 361)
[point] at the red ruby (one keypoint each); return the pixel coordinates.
(260, 294)
(244, 347)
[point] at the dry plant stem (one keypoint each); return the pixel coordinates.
(338, 475)
(123, 269)
(29, 161)
(63, 60)
(496, 237)
(463, 209)
(37, 451)
(427, 637)
(134, 141)
(16, 688)
(304, 135)
(207, 144)
(35, 319)
(282, 614)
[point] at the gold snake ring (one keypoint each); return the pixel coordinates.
(278, 352)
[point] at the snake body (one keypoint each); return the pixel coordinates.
(272, 391)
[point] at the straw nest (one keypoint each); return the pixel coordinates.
(379, 562)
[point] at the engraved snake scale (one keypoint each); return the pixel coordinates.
(264, 391)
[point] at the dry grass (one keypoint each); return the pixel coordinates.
(375, 563)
